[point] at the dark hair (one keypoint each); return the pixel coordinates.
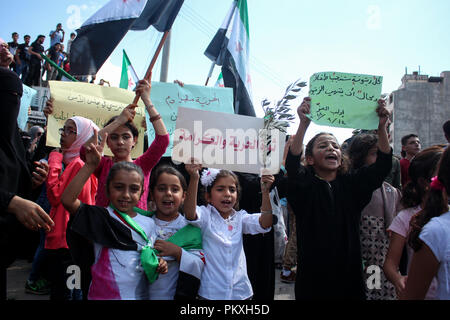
(13, 34)
(123, 165)
(421, 169)
(436, 203)
(169, 170)
(130, 125)
(309, 151)
(227, 173)
(446, 128)
(359, 148)
(27, 35)
(407, 137)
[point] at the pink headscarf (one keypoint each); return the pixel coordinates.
(85, 130)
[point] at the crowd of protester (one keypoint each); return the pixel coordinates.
(147, 228)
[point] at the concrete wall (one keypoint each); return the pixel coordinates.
(421, 108)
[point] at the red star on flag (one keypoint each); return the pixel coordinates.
(130, 82)
(238, 46)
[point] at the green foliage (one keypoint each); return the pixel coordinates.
(279, 116)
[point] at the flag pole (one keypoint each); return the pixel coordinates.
(233, 7)
(210, 72)
(148, 74)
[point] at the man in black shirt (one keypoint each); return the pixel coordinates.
(53, 54)
(35, 50)
(23, 58)
(12, 48)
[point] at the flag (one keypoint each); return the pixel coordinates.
(101, 33)
(230, 49)
(129, 78)
(219, 82)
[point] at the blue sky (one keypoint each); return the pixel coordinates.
(289, 39)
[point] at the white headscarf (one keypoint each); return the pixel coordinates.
(85, 130)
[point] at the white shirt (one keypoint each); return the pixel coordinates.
(436, 235)
(120, 271)
(164, 287)
(224, 276)
(58, 35)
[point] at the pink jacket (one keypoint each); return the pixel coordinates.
(56, 184)
(146, 161)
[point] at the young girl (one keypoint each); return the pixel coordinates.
(375, 217)
(225, 274)
(122, 238)
(430, 239)
(327, 203)
(422, 168)
(122, 137)
(64, 164)
(185, 260)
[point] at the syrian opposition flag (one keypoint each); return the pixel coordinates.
(230, 49)
(93, 224)
(129, 77)
(219, 82)
(101, 33)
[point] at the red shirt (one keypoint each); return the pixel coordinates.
(404, 166)
(56, 184)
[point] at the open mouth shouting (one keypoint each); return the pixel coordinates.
(332, 157)
(227, 203)
(167, 204)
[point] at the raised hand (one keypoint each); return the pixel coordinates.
(383, 113)
(48, 109)
(94, 151)
(193, 167)
(266, 182)
(127, 114)
(303, 110)
(143, 90)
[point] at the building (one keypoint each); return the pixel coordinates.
(421, 105)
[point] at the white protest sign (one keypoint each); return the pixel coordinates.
(226, 141)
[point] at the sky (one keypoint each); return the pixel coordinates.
(289, 40)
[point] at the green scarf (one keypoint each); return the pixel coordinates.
(149, 260)
(188, 237)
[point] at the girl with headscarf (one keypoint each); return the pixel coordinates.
(64, 164)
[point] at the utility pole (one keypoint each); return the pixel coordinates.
(165, 59)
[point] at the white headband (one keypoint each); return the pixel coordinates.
(209, 176)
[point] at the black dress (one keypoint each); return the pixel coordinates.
(15, 177)
(259, 248)
(327, 221)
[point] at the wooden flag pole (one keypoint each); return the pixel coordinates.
(148, 74)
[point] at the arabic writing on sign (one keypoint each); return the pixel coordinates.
(344, 99)
(93, 102)
(236, 142)
(358, 94)
(186, 99)
(168, 97)
(343, 77)
(99, 103)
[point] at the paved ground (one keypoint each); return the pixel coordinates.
(19, 271)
